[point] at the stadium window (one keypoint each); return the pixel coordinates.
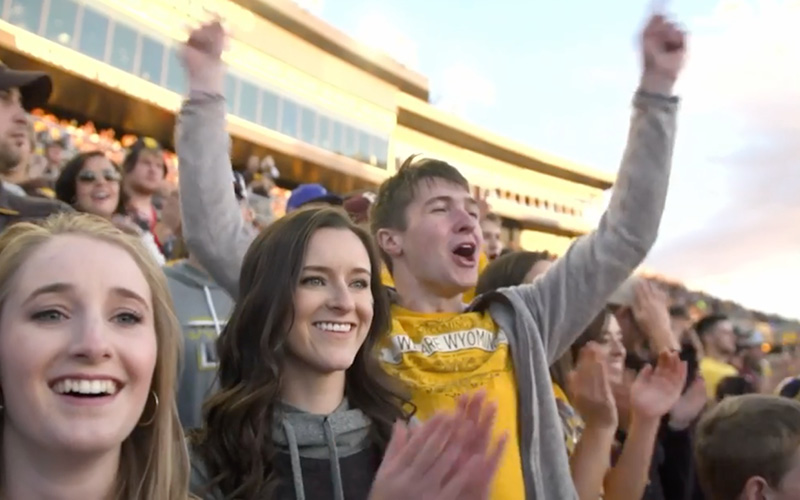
(337, 137)
(94, 33)
(289, 118)
(123, 47)
(27, 14)
(60, 22)
(231, 87)
(308, 125)
(269, 109)
(248, 101)
(350, 142)
(176, 81)
(380, 151)
(364, 147)
(151, 60)
(324, 132)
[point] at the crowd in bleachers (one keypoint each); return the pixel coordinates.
(373, 345)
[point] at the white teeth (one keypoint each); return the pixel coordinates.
(76, 386)
(335, 327)
(100, 196)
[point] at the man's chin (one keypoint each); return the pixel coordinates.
(10, 156)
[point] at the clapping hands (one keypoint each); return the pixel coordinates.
(656, 390)
(590, 388)
(448, 457)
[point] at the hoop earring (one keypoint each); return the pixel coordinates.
(155, 411)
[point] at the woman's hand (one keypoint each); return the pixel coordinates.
(591, 390)
(446, 458)
(655, 391)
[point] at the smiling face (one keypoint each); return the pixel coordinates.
(612, 342)
(333, 303)
(77, 347)
(439, 248)
(97, 187)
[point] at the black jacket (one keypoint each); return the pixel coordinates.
(14, 208)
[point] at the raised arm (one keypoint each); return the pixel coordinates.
(213, 226)
(566, 298)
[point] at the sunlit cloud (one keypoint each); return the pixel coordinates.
(731, 226)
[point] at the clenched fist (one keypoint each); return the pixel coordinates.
(202, 58)
(663, 54)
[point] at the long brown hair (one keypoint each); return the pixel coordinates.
(235, 445)
(154, 461)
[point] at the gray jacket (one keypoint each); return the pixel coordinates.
(541, 320)
(202, 308)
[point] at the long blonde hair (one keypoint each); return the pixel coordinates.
(154, 462)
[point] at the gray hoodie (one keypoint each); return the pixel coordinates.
(319, 457)
(541, 320)
(202, 308)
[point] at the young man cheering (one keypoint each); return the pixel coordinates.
(426, 223)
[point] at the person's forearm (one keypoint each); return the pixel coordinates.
(628, 478)
(591, 460)
(653, 83)
(662, 339)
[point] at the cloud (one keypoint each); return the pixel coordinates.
(462, 86)
(732, 224)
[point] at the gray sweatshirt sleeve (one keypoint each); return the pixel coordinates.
(213, 227)
(568, 296)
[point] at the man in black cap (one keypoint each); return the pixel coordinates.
(20, 91)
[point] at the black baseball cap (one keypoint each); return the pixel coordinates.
(35, 86)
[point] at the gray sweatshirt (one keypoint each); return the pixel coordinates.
(319, 457)
(202, 308)
(541, 320)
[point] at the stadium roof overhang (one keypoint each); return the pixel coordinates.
(107, 105)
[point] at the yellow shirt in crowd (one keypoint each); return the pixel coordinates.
(714, 372)
(483, 261)
(572, 424)
(440, 356)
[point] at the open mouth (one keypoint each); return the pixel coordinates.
(466, 254)
(334, 326)
(83, 388)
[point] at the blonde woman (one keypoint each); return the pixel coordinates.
(89, 351)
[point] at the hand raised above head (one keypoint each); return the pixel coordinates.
(663, 54)
(448, 457)
(201, 55)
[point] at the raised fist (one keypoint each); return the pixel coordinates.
(202, 57)
(663, 53)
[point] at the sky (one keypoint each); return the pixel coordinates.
(559, 76)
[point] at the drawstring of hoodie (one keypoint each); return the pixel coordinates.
(294, 455)
(336, 473)
(297, 472)
(212, 310)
